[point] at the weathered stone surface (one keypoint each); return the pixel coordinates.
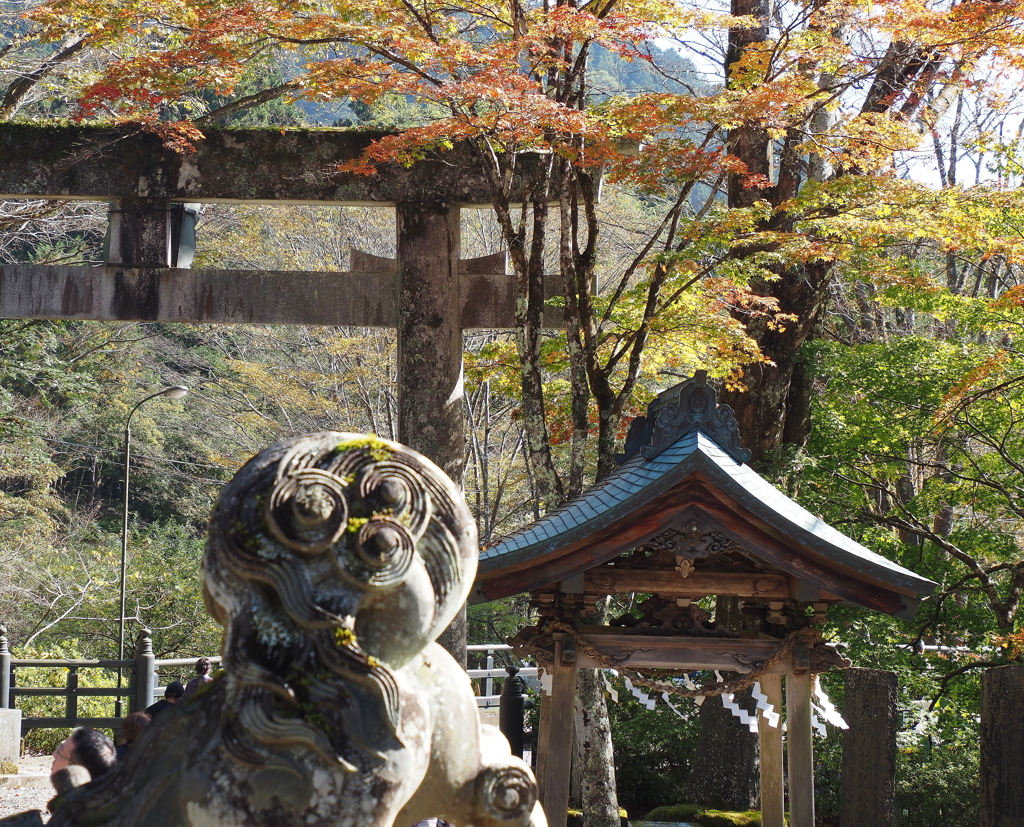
(868, 793)
(219, 296)
(430, 415)
(10, 735)
(1002, 747)
(139, 233)
(362, 299)
(332, 561)
(430, 402)
(256, 166)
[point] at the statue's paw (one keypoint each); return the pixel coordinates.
(508, 796)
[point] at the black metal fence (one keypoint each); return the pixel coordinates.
(143, 685)
(141, 690)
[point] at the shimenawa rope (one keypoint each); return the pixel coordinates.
(807, 636)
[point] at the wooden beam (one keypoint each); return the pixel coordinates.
(677, 652)
(767, 585)
(800, 745)
(555, 742)
(261, 166)
(773, 792)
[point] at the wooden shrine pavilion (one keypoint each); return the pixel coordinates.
(683, 518)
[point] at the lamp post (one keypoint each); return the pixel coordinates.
(173, 392)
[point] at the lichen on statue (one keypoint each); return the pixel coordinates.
(333, 561)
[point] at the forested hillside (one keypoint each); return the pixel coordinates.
(817, 202)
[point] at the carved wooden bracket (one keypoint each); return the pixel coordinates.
(827, 656)
(663, 616)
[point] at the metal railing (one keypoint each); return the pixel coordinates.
(487, 698)
(141, 691)
(143, 685)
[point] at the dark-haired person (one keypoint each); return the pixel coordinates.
(202, 676)
(131, 728)
(172, 694)
(85, 747)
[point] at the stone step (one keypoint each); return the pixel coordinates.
(33, 771)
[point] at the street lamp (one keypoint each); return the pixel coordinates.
(173, 392)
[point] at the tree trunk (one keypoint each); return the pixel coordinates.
(776, 402)
(725, 774)
(725, 771)
(595, 758)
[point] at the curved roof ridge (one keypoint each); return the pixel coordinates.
(666, 450)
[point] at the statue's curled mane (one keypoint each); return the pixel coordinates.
(304, 537)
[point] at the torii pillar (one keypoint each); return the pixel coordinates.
(430, 398)
(430, 414)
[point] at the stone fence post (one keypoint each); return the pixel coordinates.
(5, 671)
(1002, 747)
(145, 671)
(10, 718)
(868, 793)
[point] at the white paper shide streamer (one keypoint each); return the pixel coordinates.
(822, 709)
(640, 695)
(748, 720)
(611, 690)
(546, 680)
(826, 709)
(767, 710)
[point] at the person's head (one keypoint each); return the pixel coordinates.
(203, 667)
(132, 726)
(174, 692)
(87, 748)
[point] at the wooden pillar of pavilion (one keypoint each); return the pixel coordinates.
(800, 740)
(773, 781)
(554, 744)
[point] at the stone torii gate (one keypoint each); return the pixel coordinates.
(427, 294)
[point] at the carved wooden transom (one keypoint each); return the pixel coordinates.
(681, 547)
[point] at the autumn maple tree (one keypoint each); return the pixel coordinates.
(757, 183)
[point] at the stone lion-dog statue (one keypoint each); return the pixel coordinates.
(333, 562)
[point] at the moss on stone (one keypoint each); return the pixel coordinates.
(344, 637)
(674, 812)
(378, 448)
(719, 818)
(355, 523)
(696, 814)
